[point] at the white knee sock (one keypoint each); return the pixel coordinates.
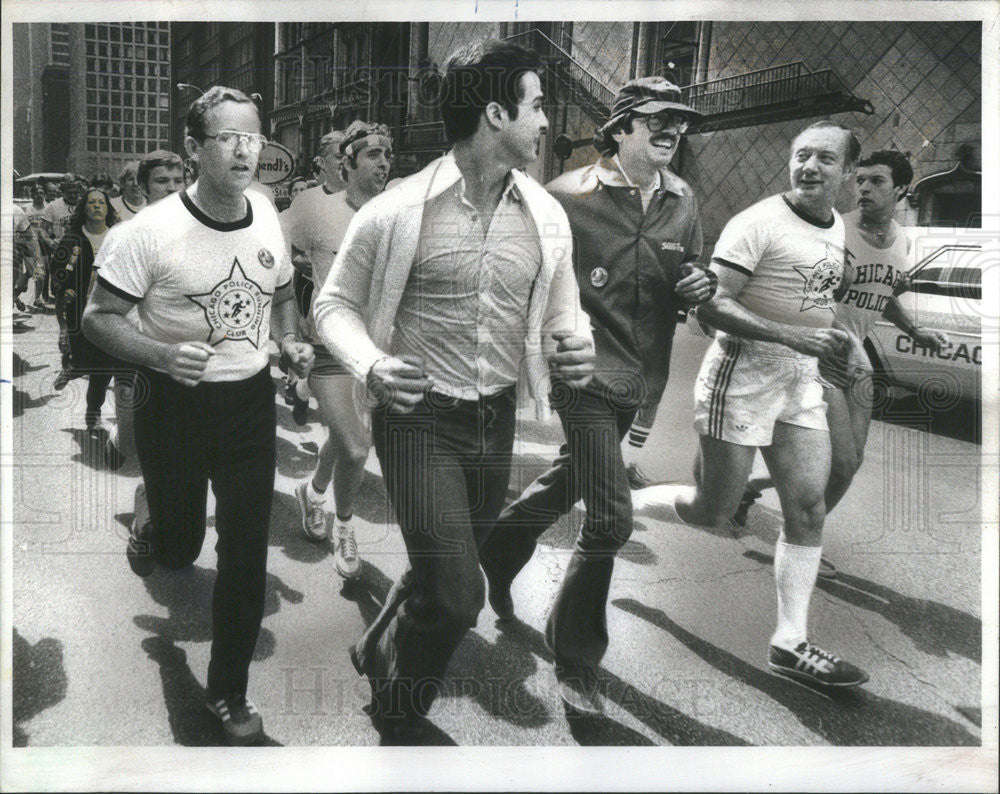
(302, 388)
(795, 569)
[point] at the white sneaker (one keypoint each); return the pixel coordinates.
(345, 555)
(314, 524)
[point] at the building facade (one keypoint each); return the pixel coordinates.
(204, 54)
(326, 75)
(923, 81)
(89, 97)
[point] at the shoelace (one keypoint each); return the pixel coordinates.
(816, 657)
(317, 518)
(348, 545)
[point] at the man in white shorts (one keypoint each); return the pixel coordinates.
(779, 263)
(316, 227)
(877, 250)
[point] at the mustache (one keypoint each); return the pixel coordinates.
(665, 136)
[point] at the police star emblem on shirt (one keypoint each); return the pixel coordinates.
(234, 308)
(821, 281)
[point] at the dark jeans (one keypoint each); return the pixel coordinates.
(223, 432)
(590, 467)
(446, 467)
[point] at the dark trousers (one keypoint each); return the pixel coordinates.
(223, 432)
(446, 467)
(589, 467)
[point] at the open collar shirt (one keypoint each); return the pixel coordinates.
(464, 310)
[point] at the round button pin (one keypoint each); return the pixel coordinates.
(598, 276)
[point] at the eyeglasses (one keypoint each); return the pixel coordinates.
(661, 121)
(230, 139)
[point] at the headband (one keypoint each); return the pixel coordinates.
(358, 144)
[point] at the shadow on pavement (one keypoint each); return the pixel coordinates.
(370, 505)
(20, 365)
(188, 595)
(21, 401)
(91, 449)
(492, 675)
(962, 421)
(601, 731)
(854, 717)
(934, 627)
(293, 461)
(673, 725)
(190, 722)
(38, 681)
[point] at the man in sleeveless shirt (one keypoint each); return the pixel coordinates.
(877, 258)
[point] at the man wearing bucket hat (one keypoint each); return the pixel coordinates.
(636, 236)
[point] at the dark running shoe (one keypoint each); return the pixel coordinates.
(140, 548)
(240, 719)
(289, 392)
(812, 664)
(62, 380)
(637, 480)
(750, 495)
(498, 593)
(579, 693)
(300, 409)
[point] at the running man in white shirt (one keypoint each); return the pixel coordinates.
(210, 274)
(877, 250)
(316, 226)
(779, 263)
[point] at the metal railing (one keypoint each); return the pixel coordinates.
(594, 96)
(772, 86)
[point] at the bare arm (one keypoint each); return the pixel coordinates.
(339, 315)
(925, 337)
(105, 324)
(284, 323)
(725, 313)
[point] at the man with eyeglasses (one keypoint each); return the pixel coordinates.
(208, 270)
(636, 238)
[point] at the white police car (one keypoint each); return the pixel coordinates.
(945, 295)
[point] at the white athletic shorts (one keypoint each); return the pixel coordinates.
(745, 386)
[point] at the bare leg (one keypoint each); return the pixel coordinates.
(345, 451)
(721, 471)
(799, 462)
(849, 413)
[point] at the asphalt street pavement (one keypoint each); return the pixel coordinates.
(101, 657)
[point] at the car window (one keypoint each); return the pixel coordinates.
(953, 282)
